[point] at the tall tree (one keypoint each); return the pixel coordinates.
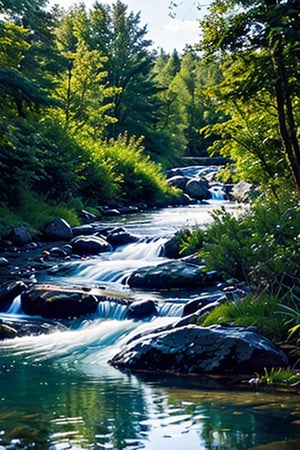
(172, 118)
(260, 41)
(81, 85)
(119, 36)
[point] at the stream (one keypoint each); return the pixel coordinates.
(58, 392)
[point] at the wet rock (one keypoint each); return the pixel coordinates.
(178, 181)
(172, 246)
(3, 262)
(84, 230)
(58, 252)
(199, 303)
(141, 309)
(88, 215)
(58, 230)
(176, 274)
(192, 349)
(20, 236)
(198, 189)
(58, 304)
(90, 245)
(18, 327)
(6, 331)
(120, 236)
(110, 212)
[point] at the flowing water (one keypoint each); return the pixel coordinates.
(58, 391)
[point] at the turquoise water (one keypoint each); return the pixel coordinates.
(59, 392)
(76, 401)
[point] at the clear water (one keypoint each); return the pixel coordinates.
(59, 392)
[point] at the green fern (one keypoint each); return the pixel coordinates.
(279, 376)
(250, 311)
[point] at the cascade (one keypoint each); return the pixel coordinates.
(217, 192)
(15, 307)
(110, 309)
(111, 267)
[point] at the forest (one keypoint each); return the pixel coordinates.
(91, 113)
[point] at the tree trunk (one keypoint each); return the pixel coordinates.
(287, 126)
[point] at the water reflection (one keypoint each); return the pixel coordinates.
(58, 392)
(51, 409)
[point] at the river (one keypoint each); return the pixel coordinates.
(58, 392)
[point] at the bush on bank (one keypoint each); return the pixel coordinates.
(98, 173)
(260, 246)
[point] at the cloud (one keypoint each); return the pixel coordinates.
(176, 25)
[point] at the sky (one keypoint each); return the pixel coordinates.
(165, 32)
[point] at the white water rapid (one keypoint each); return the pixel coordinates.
(59, 392)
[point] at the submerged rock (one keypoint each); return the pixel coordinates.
(18, 327)
(192, 349)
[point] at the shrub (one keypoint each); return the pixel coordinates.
(261, 312)
(35, 213)
(139, 178)
(260, 246)
(280, 376)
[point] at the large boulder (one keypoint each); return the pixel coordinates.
(120, 236)
(58, 304)
(198, 189)
(58, 230)
(20, 236)
(90, 245)
(191, 349)
(178, 274)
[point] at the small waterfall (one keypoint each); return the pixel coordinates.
(15, 307)
(113, 267)
(110, 309)
(145, 249)
(170, 310)
(217, 192)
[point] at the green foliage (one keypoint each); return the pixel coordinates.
(260, 312)
(118, 35)
(280, 376)
(140, 179)
(256, 44)
(36, 213)
(191, 241)
(39, 211)
(8, 219)
(291, 313)
(259, 245)
(81, 87)
(99, 181)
